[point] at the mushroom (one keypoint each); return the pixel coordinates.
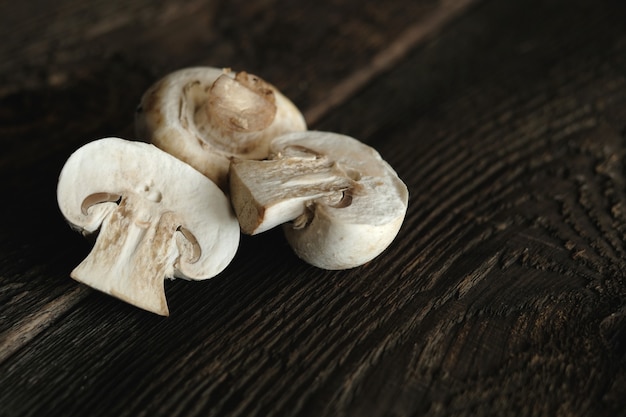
(204, 116)
(157, 218)
(341, 204)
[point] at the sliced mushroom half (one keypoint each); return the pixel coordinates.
(156, 218)
(341, 204)
(204, 116)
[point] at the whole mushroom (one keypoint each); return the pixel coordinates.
(341, 204)
(205, 116)
(157, 218)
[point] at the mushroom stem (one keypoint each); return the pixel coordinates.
(268, 193)
(136, 241)
(241, 104)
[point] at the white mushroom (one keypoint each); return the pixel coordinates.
(204, 116)
(157, 218)
(341, 203)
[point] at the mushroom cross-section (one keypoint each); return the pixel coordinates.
(341, 204)
(157, 218)
(204, 116)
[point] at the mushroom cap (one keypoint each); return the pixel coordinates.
(342, 237)
(339, 202)
(175, 115)
(118, 167)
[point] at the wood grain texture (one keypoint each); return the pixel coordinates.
(504, 293)
(55, 60)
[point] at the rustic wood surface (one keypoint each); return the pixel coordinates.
(503, 294)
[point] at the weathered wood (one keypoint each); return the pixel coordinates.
(504, 293)
(386, 59)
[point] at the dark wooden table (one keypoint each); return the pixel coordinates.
(504, 293)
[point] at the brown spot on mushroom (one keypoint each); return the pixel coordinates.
(305, 218)
(345, 201)
(184, 122)
(152, 97)
(257, 85)
(196, 251)
(299, 151)
(98, 198)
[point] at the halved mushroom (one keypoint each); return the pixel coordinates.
(341, 203)
(157, 218)
(205, 116)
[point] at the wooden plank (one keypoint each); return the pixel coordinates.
(386, 59)
(504, 293)
(75, 52)
(79, 74)
(290, 44)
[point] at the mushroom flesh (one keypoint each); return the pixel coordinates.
(205, 116)
(156, 218)
(341, 204)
